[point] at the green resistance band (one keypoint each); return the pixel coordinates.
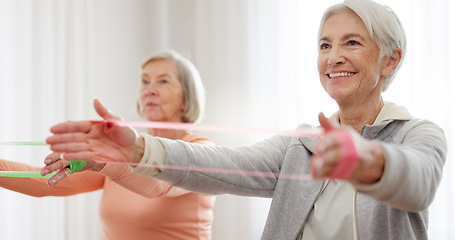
(24, 143)
(24, 174)
(75, 166)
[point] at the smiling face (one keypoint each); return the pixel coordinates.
(348, 61)
(161, 93)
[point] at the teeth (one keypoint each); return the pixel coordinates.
(342, 74)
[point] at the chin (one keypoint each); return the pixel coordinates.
(153, 117)
(336, 95)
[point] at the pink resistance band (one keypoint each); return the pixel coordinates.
(342, 171)
(212, 128)
(349, 156)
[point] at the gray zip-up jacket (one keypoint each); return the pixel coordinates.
(397, 208)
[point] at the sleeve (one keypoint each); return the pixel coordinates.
(139, 183)
(76, 183)
(247, 170)
(145, 186)
(153, 154)
(413, 166)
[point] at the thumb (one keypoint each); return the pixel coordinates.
(325, 123)
(103, 111)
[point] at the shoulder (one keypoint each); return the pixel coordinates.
(419, 125)
(416, 130)
(193, 138)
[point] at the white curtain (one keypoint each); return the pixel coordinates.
(44, 71)
(257, 59)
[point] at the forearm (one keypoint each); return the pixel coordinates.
(411, 175)
(142, 185)
(38, 187)
(206, 162)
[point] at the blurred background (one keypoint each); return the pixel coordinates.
(257, 59)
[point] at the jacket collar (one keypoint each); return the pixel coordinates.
(388, 114)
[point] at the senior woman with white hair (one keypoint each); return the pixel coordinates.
(376, 168)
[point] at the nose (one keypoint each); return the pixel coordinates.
(336, 57)
(151, 90)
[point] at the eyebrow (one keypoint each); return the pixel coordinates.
(351, 35)
(159, 76)
(345, 37)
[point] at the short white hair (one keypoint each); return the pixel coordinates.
(382, 23)
(193, 89)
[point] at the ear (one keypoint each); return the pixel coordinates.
(391, 62)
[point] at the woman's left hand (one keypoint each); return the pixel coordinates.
(362, 160)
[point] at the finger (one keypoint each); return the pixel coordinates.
(327, 142)
(70, 147)
(323, 165)
(58, 177)
(57, 165)
(325, 123)
(70, 126)
(316, 164)
(52, 157)
(103, 111)
(66, 137)
(80, 156)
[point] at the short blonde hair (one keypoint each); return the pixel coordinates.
(193, 89)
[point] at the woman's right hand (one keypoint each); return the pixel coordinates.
(96, 141)
(362, 160)
(54, 162)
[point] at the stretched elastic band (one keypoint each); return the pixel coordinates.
(25, 174)
(76, 166)
(349, 157)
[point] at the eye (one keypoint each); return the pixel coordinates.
(324, 46)
(144, 82)
(164, 81)
(352, 43)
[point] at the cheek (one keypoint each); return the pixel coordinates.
(141, 101)
(321, 64)
(321, 69)
(371, 61)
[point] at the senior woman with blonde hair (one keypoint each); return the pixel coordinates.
(133, 206)
(375, 169)
(193, 94)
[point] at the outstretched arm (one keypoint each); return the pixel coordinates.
(107, 143)
(37, 187)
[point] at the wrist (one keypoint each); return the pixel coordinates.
(372, 166)
(139, 149)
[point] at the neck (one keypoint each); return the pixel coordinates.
(358, 115)
(167, 133)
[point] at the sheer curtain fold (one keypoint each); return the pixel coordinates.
(44, 70)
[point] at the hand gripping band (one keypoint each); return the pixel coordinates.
(76, 166)
(349, 156)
